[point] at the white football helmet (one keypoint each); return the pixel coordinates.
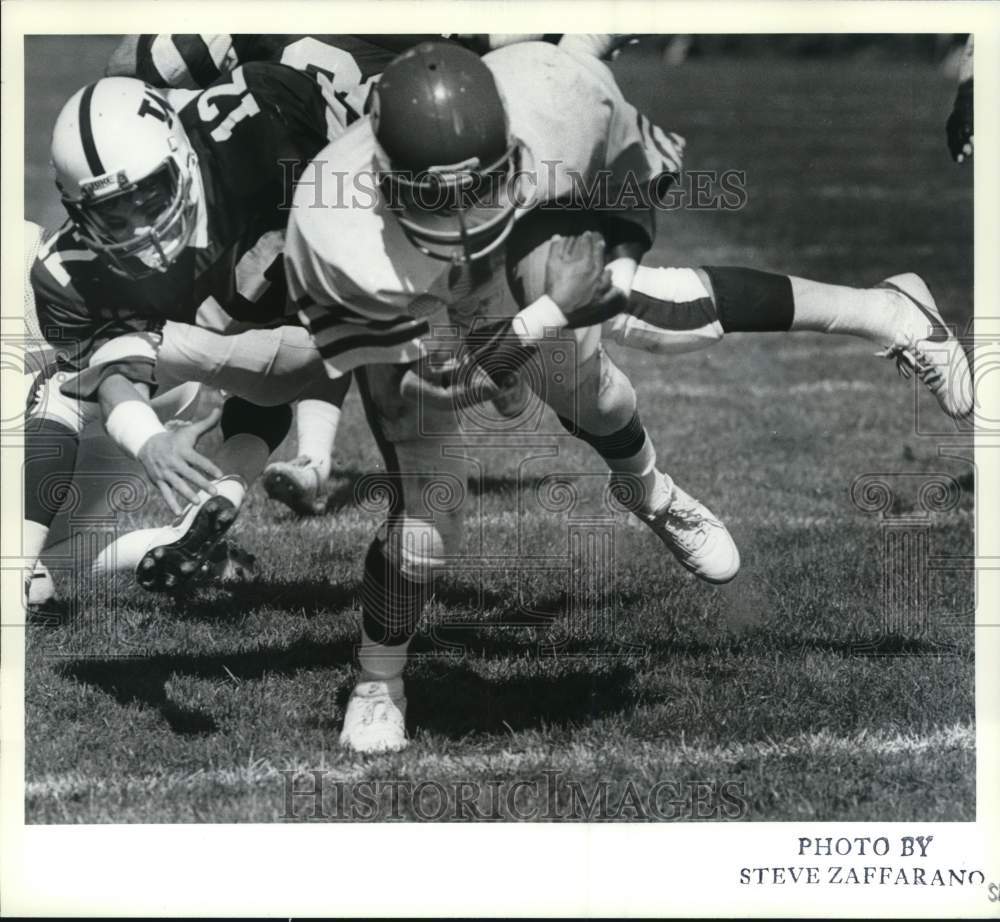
(127, 174)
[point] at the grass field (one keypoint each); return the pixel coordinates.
(786, 683)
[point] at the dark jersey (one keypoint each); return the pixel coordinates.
(249, 155)
(345, 66)
(196, 61)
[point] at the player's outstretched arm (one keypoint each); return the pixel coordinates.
(178, 470)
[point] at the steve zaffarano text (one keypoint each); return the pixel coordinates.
(878, 875)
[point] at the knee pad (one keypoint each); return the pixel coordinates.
(603, 400)
(271, 424)
(416, 547)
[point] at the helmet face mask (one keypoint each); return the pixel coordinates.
(142, 227)
(127, 175)
(457, 213)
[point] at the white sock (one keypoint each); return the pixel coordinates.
(380, 663)
(872, 313)
(316, 424)
(655, 487)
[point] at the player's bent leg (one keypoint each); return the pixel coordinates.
(424, 529)
(597, 403)
(52, 431)
(50, 450)
(602, 411)
(299, 483)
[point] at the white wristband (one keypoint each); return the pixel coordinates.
(131, 424)
(532, 321)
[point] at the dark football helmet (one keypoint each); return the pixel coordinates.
(448, 162)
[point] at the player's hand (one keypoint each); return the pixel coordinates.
(173, 464)
(959, 125)
(575, 278)
(452, 386)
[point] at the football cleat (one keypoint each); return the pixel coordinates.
(699, 541)
(375, 720)
(198, 529)
(927, 348)
(297, 484)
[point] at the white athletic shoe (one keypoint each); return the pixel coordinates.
(195, 533)
(39, 589)
(699, 541)
(926, 347)
(297, 484)
(375, 720)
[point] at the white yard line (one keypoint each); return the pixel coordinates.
(646, 757)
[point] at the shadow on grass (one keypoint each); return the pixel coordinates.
(450, 697)
(235, 601)
(311, 597)
(454, 700)
(344, 487)
(580, 678)
(144, 679)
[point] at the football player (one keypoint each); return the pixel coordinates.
(173, 236)
(402, 266)
(346, 68)
(374, 281)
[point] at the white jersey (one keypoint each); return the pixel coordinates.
(367, 294)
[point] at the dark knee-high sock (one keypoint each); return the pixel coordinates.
(391, 605)
(748, 300)
(631, 457)
(50, 452)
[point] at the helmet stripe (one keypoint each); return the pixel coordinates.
(87, 133)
